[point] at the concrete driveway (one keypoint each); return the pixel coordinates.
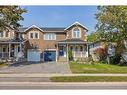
(50, 67)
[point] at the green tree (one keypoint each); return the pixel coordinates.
(95, 36)
(112, 20)
(10, 17)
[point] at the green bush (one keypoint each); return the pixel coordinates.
(115, 59)
(70, 55)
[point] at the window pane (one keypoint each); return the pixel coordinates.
(76, 33)
(36, 35)
(6, 34)
(81, 48)
(1, 34)
(50, 36)
(31, 35)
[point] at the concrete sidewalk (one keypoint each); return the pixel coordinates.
(51, 75)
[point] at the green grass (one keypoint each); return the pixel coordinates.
(89, 79)
(96, 68)
(3, 64)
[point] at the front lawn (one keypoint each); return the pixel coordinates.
(89, 79)
(96, 68)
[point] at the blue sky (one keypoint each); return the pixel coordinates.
(60, 16)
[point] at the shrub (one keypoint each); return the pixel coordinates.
(115, 59)
(70, 55)
(101, 52)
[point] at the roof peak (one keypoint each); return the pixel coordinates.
(76, 23)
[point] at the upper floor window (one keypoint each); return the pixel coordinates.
(33, 35)
(1, 34)
(76, 33)
(49, 36)
(4, 34)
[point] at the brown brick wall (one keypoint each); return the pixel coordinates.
(44, 44)
(83, 32)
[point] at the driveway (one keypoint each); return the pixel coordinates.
(50, 67)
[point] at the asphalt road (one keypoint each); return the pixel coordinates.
(50, 85)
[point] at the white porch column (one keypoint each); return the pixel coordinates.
(2, 50)
(57, 53)
(67, 53)
(87, 50)
(9, 50)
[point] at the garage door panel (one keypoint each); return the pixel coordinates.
(33, 55)
(50, 55)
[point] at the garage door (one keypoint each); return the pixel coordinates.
(33, 55)
(50, 56)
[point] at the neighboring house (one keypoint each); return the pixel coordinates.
(10, 44)
(95, 45)
(52, 44)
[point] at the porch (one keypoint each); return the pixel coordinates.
(9, 50)
(79, 49)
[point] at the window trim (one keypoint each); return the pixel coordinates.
(49, 36)
(33, 35)
(4, 34)
(76, 33)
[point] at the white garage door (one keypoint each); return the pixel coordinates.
(33, 55)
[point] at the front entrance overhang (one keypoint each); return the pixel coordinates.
(73, 41)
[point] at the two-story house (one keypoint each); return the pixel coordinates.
(53, 44)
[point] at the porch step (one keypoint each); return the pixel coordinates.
(62, 59)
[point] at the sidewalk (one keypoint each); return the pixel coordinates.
(52, 75)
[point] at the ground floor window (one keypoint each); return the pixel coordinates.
(81, 48)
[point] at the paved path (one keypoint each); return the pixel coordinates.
(51, 67)
(63, 85)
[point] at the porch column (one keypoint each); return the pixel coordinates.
(9, 50)
(56, 52)
(20, 47)
(67, 53)
(87, 50)
(2, 50)
(74, 51)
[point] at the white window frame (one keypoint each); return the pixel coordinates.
(48, 35)
(33, 35)
(4, 34)
(76, 33)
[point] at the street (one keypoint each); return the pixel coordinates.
(61, 85)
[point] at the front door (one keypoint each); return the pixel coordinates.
(62, 51)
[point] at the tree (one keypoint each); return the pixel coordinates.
(95, 36)
(10, 17)
(112, 20)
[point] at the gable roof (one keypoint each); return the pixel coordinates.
(76, 23)
(50, 29)
(43, 29)
(32, 26)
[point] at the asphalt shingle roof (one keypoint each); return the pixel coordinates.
(45, 29)
(73, 41)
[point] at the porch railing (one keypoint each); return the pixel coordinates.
(4, 54)
(80, 53)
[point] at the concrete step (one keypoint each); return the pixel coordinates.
(62, 59)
